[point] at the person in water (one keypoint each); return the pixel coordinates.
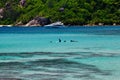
(64, 40)
(73, 41)
(59, 40)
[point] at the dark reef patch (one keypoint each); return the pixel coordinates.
(56, 66)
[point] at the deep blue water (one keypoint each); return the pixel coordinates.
(35, 53)
(67, 29)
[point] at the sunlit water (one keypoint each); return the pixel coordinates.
(37, 54)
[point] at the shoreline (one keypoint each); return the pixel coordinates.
(59, 26)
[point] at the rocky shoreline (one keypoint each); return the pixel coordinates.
(65, 25)
(42, 21)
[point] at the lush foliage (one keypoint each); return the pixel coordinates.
(76, 12)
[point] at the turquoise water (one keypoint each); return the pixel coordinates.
(37, 54)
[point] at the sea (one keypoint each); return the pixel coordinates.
(60, 53)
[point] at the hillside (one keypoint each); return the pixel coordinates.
(72, 12)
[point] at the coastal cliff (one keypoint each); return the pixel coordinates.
(70, 12)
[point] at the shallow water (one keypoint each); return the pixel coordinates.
(36, 53)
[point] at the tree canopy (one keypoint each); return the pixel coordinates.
(72, 12)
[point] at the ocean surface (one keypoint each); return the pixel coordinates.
(84, 53)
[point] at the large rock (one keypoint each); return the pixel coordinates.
(61, 9)
(22, 2)
(33, 23)
(8, 5)
(39, 21)
(1, 12)
(19, 23)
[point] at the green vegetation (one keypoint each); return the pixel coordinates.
(76, 12)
